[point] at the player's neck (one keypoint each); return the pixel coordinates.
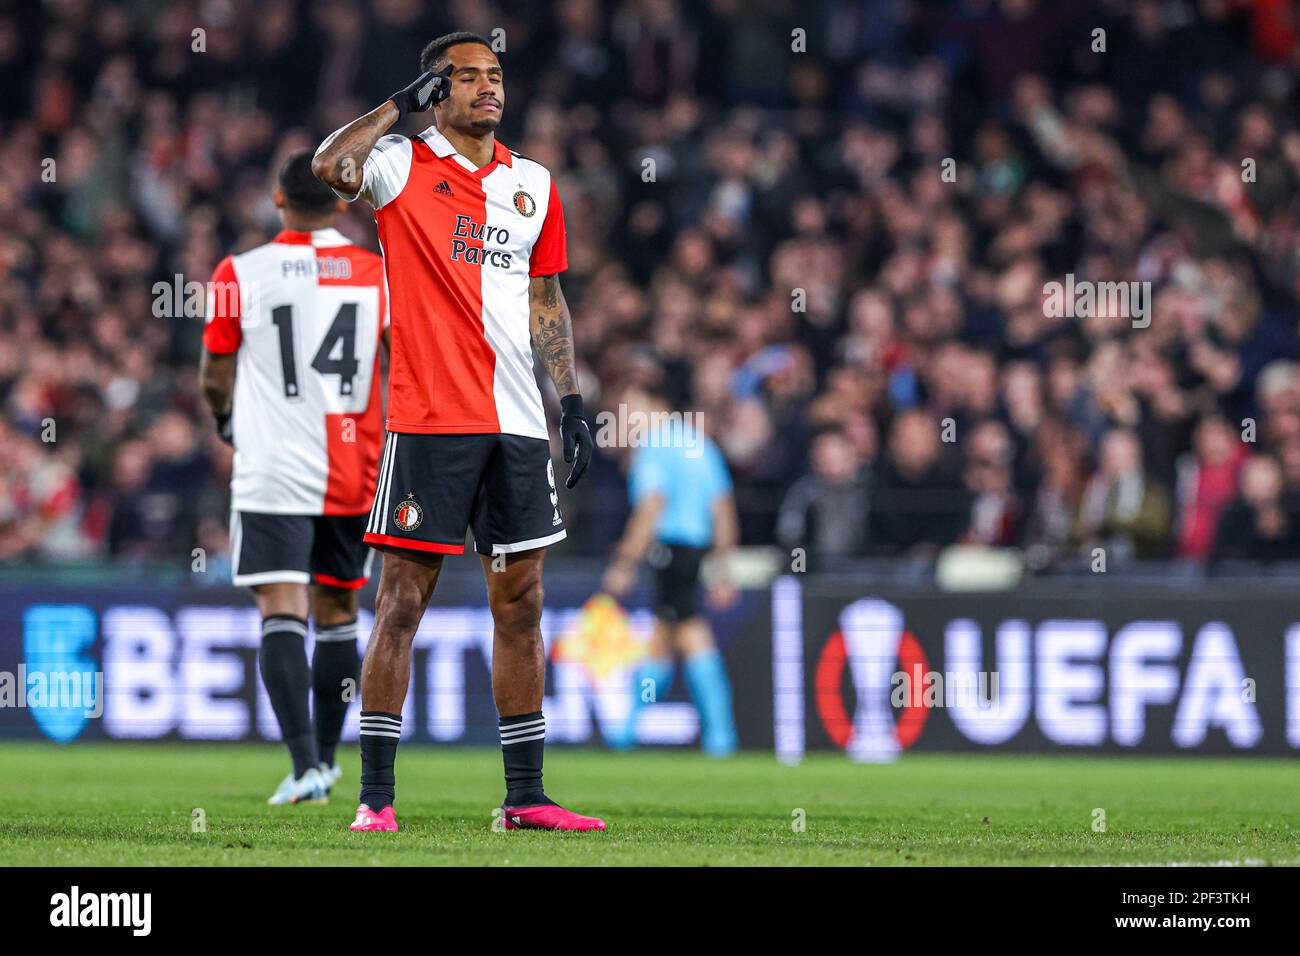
(479, 150)
(296, 223)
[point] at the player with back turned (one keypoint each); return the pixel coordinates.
(473, 241)
(290, 368)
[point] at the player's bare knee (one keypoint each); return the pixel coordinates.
(405, 587)
(518, 614)
(280, 598)
(331, 605)
(397, 615)
(398, 625)
(694, 636)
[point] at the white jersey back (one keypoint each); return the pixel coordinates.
(305, 313)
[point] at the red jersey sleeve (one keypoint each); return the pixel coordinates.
(550, 251)
(222, 335)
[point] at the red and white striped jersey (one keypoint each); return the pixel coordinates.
(460, 244)
(305, 312)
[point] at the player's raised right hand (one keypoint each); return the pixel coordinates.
(428, 89)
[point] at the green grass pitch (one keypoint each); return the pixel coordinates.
(118, 804)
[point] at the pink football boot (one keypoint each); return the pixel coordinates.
(548, 817)
(367, 819)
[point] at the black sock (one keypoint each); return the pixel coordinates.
(282, 660)
(379, 735)
(333, 662)
(523, 740)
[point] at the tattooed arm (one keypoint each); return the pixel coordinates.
(552, 332)
(552, 335)
(339, 159)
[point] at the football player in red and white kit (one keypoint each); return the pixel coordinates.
(290, 368)
(473, 242)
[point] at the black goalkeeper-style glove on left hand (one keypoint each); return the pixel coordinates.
(576, 437)
(430, 88)
(225, 431)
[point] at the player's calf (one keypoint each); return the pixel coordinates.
(405, 587)
(282, 661)
(334, 671)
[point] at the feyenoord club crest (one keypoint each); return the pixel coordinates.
(408, 514)
(524, 204)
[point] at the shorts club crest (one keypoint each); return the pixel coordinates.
(501, 487)
(408, 515)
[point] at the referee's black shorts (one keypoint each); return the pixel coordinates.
(677, 581)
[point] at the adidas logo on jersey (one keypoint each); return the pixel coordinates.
(442, 189)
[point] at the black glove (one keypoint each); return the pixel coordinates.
(576, 437)
(225, 431)
(430, 88)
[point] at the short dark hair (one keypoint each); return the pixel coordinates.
(302, 190)
(433, 54)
